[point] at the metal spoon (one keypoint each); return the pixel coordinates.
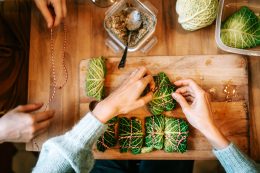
(103, 3)
(133, 22)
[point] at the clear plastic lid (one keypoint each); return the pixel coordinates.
(147, 41)
(226, 8)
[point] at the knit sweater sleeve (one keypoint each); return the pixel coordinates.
(71, 152)
(234, 161)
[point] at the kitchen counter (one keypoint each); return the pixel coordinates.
(86, 38)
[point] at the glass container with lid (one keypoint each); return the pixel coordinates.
(227, 8)
(143, 39)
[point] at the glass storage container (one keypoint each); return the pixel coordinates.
(227, 8)
(147, 41)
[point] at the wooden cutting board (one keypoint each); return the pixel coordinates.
(225, 77)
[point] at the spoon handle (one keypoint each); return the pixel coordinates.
(123, 59)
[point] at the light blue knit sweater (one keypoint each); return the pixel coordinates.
(72, 152)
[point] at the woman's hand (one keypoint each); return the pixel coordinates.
(59, 7)
(127, 97)
(22, 125)
(199, 113)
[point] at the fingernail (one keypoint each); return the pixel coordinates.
(174, 95)
(50, 24)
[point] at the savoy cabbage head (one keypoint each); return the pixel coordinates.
(196, 14)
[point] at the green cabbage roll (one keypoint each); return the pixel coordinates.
(95, 78)
(130, 135)
(176, 133)
(162, 99)
(154, 130)
(108, 139)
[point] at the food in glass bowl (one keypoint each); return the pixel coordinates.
(116, 23)
(241, 29)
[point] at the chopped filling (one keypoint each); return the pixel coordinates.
(117, 25)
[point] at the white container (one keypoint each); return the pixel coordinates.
(225, 9)
(146, 42)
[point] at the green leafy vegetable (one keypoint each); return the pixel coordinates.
(95, 78)
(130, 135)
(241, 29)
(165, 131)
(108, 139)
(162, 99)
(196, 14)
(176, 134)
(154, 129)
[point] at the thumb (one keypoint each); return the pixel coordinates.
(29, 107)
(181, 100)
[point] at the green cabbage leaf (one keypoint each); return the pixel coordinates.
(108, 139)
(95, 78)
(176, 134)
(154, 130)
(166, 133)
(162, 99)
(130, 135)
(241, 29)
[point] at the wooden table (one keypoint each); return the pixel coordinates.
(86, 38)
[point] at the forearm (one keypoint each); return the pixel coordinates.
(215, 137)
(72, 151)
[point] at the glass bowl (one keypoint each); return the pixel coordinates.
(147, 40)
(225, 9)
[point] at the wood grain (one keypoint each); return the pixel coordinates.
(86, 38)
(254, 108)
(210, 71)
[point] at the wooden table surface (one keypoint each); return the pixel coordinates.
(86, 38)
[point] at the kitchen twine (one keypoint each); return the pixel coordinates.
(102, 140)
(168, 136)
(153, 132)
(130, 137)
(53, 74)
(179, 133)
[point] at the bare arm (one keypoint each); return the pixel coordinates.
(198, 112)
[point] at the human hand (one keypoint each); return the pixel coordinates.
(59, 7)
(22, 125)
(198, 113)
(127, 97)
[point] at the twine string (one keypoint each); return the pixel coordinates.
(153, 132)
(177, 140)
(53, 75)
(130, 137)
